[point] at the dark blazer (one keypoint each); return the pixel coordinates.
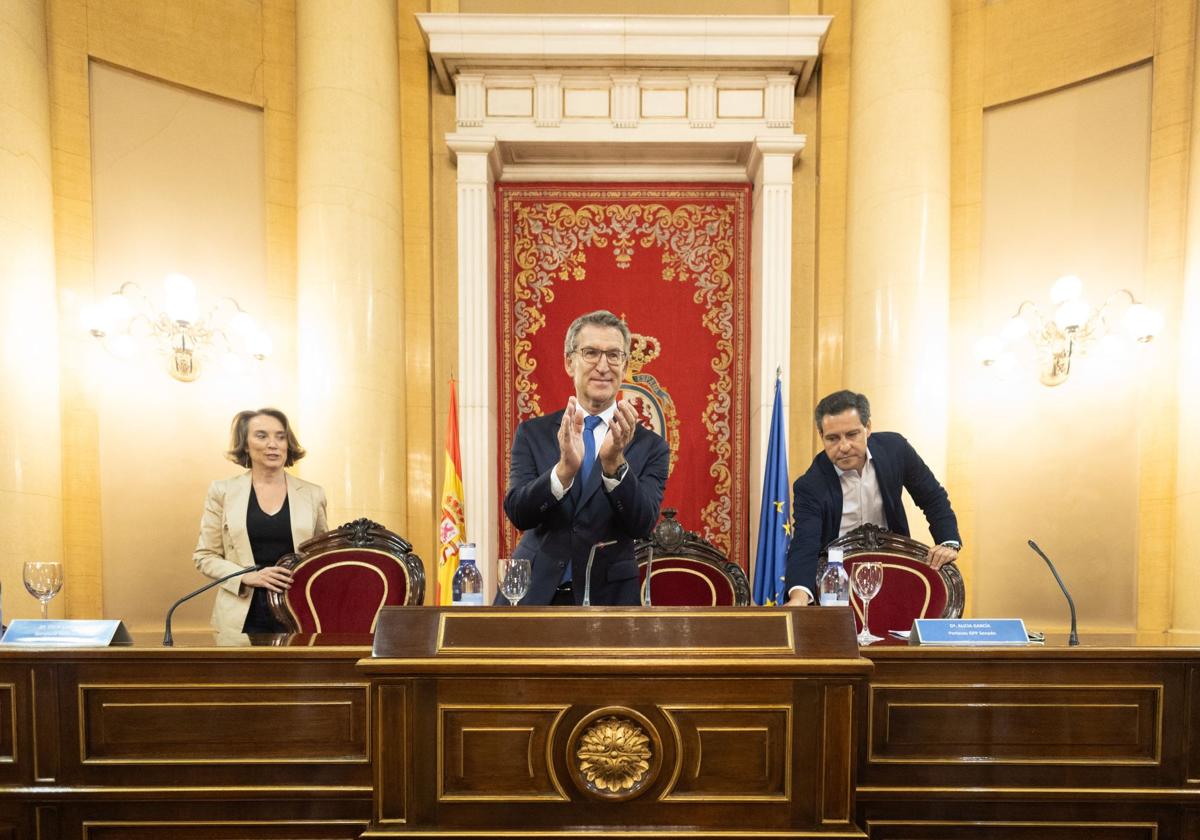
(817, 504)
(558, 531)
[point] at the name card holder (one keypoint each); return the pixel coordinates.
(979, 632)
(66, 633)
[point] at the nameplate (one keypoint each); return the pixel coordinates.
(968, 632)
(66, 633)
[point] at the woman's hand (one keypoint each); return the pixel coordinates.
(274, 578)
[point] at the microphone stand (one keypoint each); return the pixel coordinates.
(587, 573)
(649, 576)
(168, 641)
(1074, 640)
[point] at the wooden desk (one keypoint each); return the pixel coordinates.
(195, 741)
(624, 721)
(1097, 742)
(199, 741)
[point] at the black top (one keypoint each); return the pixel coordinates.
(270, 538)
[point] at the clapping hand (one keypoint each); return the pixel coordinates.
(570, 443)
(620, 432)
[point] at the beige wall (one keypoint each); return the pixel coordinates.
(178, 186)
(1013, 57)
(1065, 185)
(1009, 56)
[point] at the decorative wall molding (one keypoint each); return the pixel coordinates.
(617, 98)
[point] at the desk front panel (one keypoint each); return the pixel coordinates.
(1035, 743)
(139, 743)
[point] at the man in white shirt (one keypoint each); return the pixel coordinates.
(858, 480)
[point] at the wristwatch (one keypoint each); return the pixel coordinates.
(955, 544)
(621, 470)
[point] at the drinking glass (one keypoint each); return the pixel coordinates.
(514, 575)
(43, 579)
(867, 579)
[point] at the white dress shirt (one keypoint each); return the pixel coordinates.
(861, 500)
(598, 434)
(861, 503)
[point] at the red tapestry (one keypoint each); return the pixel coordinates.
(673, 260)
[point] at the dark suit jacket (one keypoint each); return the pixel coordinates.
(561, 531)
(817, 503)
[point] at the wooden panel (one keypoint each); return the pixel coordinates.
(720, 753)
(838, 749)
(1192, 704)
(496, 752)
(733, 753)
(395, 757)
(196, 722)
(1035, 724)
(223, 830)
(445, 635)
(970, 830)
(690, 632)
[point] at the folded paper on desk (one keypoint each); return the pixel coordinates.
(66, 633)
(977, 632)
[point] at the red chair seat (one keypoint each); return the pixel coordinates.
(910, 590)
(687, 570)
(342, 578)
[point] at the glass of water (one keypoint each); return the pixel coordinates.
(513, 578)
(43, 580)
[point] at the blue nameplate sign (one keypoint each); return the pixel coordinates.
(66, 633)
(968, 632)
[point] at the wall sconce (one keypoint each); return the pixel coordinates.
(1073, 330)
(128, 324)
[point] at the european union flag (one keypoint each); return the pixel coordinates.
(775, 520)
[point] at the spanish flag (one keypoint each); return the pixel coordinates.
(452, 529)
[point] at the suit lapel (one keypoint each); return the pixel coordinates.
(237, 506)
(300, 505)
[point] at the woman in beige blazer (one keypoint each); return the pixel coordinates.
(254, 519)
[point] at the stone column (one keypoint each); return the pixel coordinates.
(30, 431)
(1186, 588)
(350, 313)
(477, 161)
(771, 164)
(898, 220)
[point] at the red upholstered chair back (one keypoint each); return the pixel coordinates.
(342, 577)
(687, 570)
(911, 589)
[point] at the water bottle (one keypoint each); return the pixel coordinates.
(835, 583)
(467, 588)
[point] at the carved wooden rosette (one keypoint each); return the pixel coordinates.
(614, 754)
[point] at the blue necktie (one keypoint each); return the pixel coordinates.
(589, 446)
(585, 469)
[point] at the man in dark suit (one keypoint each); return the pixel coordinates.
(585, 475)
(856, 480)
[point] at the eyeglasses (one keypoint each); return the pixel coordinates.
(591, 355)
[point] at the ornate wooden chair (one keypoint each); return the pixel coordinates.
(911, 589)
(688, 570)
(342, 577)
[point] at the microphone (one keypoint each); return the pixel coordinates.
(649, 576)
(168, 641)
(587, 573)
(1074, 628)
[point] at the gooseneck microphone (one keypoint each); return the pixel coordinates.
(587, 573)
(1074, 640)
(168, 641)
(649, 575)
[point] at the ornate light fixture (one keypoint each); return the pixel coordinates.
(128, 324)
(1074, 329)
